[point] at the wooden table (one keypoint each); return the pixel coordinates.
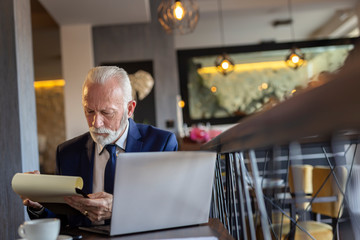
(213, 228)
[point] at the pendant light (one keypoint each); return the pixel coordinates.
(224, 64)
(295, 58)
(178, 16)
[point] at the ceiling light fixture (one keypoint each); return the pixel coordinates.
(223, 62)
(178, 16)
(295, 58)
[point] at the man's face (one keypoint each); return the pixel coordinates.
(104, 111)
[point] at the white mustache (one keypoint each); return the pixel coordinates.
(100, 130)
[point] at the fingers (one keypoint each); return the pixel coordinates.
(33, 172)
(100, 195)
(97, 215)
(75, 202)
(97, 207)
(27, 202)
(104, 200)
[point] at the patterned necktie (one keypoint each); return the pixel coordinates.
(110, 169)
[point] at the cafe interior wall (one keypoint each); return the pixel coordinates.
(144, 42)
(18, 137)
(123, 43)
(49, 95)
(247, 27)
(50, 124)
(139, 42)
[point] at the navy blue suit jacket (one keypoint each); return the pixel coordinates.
(75, 157)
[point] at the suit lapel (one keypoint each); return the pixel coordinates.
(87, 165)
(134, 142)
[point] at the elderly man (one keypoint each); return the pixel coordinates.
(108, 106)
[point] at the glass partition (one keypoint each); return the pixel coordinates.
(260, 78)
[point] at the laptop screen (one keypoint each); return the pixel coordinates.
(157, 190)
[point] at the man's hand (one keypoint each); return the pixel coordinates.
(27, 202)
(97, 207)
(34, 205)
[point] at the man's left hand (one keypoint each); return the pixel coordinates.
(97, 207)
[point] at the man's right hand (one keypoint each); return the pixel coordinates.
(34, 205)
(27, 202)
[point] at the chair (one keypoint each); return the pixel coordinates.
(324, 185)
(300, 183)
(332, 187)
(300, 187)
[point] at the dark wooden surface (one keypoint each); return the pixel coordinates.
(319, 112)
(213, 228)
(186, 144)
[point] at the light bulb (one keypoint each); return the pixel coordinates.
(225, 65)
(295, 58)
(264, 86)
(181, 104)
(178, 10)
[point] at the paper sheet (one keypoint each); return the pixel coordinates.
(45, 188)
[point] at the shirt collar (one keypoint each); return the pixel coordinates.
(121, 142)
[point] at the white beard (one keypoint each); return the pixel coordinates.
(112, 135)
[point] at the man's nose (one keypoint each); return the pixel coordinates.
(97, 121)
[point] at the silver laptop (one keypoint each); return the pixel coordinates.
(159, 190)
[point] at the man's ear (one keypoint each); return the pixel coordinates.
(131, 108)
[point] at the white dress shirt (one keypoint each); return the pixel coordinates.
(101, 157)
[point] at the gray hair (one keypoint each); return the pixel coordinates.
(102, 74)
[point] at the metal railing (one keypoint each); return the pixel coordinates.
(264, 145)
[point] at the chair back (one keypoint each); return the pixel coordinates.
(300, 183)
(300, 179)
(326, 185)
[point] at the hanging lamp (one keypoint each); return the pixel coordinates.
(224, 64)
(178, 16)
(295, 58)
